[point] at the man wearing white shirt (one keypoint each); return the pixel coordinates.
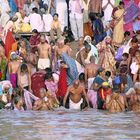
(35, 20)
(47, 19)
(76, 18)
(61, 9)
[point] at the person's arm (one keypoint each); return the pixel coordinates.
(95, 86)
(111, 4)
(19, 78)
(37, 105)
(29, 78)
(50, 55)
(105, 5)
(82, 58)
(65, 98)
(86, 76)
(85, 94)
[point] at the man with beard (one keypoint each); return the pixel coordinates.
(44, 50)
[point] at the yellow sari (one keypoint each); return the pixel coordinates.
(118, 32)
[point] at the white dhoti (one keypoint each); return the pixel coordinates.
(76, 106)
(90, 82)
(44, 63)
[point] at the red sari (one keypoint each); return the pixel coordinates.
(8, 43)
(62, 84)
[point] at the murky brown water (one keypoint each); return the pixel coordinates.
(69, 125)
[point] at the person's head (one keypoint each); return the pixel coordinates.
(42, 38)
(52, 43)
(137, 54)
(49, 77)
(60, 42)
(80, 41)
(48, 70)
(82, 77)
(92, 16)
(18, 100)
(88, 39)
(42, 92)
(108, 40)
(125, 56)
(17, 37)
(121, 5)
(137, 87)
(13, 56)
(38, 1)
(35, 32)
(134, 42)
(92, 59)
(101, 71)
(14, 18)
(28, 2)
(127, 34)
(107, 74)
(55, 17)
(76, 84)
(35, 10)
(24, 68)
(87, 47)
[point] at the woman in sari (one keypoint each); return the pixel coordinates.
(132, 11)
(106, 54)
(118, 33)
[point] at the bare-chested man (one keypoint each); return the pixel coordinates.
(95, 6)
(13, 67)
(75, 93)
(91, 71)
(44, 50)
(60, 49)
(83, 56)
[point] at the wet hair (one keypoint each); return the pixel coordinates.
(134, 40)
(35, 31)
(52, 42)
(2, 43)
(48, 76)
(82, 77)
(35, 10)
(48, 70)
(62, 62)
(100, 70)
(92, 16)
(24, 67)
(127, 33)
(121, 3)
(125, 55)
(17, 37)
(56, 15)
(108, 73)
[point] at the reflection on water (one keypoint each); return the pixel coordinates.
(69, 125)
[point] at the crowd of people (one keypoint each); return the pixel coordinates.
(42, 73)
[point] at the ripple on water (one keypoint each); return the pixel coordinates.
(69, 125)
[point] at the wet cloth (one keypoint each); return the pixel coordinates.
(72, 72)
(76, 106)
(28, 99)
(90, 82)
(13, 79)
(44, 63)
(62, 84)
(92, 96)
(52, 87)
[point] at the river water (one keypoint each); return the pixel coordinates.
(69, 125)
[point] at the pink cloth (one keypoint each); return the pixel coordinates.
(92, 96)
(28, 96)
(52, 87)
